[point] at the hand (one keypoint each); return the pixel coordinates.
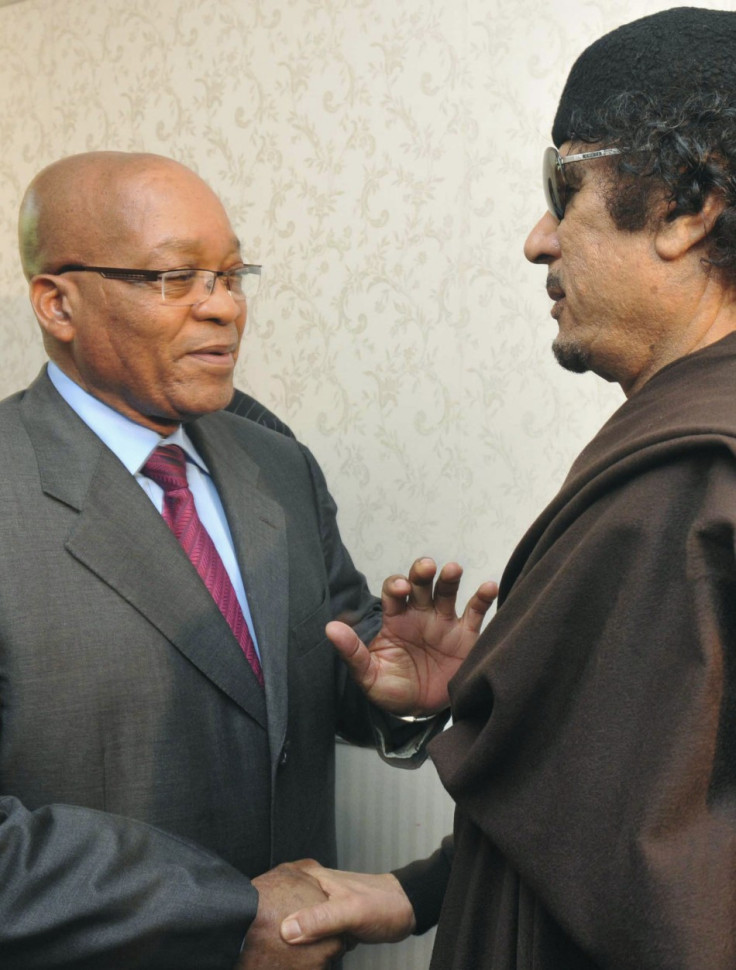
(406, 668)
(279, 891)
(360, 907)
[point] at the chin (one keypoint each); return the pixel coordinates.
(196, 405)
(572, 356)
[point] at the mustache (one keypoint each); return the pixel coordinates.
(555, 289)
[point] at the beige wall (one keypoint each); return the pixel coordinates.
(381, 158)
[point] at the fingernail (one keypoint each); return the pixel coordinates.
(290, 930)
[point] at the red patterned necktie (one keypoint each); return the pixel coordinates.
(167, 467)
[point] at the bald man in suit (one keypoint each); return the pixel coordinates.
(157, 770)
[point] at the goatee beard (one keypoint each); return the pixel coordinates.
(571, 356)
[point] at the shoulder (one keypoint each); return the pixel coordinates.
(248, 407)
(264, 444)
(686, 407)
(258, 444)
(664, 465)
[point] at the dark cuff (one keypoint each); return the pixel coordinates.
(424, 882)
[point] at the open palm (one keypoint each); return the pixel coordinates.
(406, 667)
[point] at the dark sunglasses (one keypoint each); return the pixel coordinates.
(553, 175)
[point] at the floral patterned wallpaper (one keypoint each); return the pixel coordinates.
(381, 158)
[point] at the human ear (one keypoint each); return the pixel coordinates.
(676, 237)
(51, 305)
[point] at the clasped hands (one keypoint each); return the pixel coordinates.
(339, 910)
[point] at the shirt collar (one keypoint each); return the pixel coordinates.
(130, 442)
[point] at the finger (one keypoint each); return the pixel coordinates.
(421, 577)
(317, 922)
(353, 651)
(394, 592)
(479, 604)
(445, 589)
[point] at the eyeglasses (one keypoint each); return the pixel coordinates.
(182, 287)
(553, 174)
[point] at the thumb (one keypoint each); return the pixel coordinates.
(315, 923)
(352, 650)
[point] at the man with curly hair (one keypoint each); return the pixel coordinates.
(591, 756)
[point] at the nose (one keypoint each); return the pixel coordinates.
(220, 305)
(542, 244)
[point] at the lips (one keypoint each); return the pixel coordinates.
(219, 355)
(555, 292)
(554, 287)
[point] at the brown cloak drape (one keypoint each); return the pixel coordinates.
(593, 754)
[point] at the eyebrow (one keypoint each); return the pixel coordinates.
(176, 245)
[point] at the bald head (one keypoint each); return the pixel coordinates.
(82, 207)
(157, 362)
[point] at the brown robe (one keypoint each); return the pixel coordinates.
(593, 754)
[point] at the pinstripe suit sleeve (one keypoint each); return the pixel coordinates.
(126, 896)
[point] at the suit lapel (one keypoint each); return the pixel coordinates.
(119, 536)
(258, 528)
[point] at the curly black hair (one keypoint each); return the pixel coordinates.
(680, 152)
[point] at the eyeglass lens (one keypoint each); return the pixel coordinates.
(554, 182)
(189, 287)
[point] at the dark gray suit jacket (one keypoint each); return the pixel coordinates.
(144, 776)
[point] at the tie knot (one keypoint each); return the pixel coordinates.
(167, 466)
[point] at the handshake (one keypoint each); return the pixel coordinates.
(308, 916)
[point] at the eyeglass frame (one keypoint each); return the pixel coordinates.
(154, 275)
(554, 163)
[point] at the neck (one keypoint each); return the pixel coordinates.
(688, 327)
